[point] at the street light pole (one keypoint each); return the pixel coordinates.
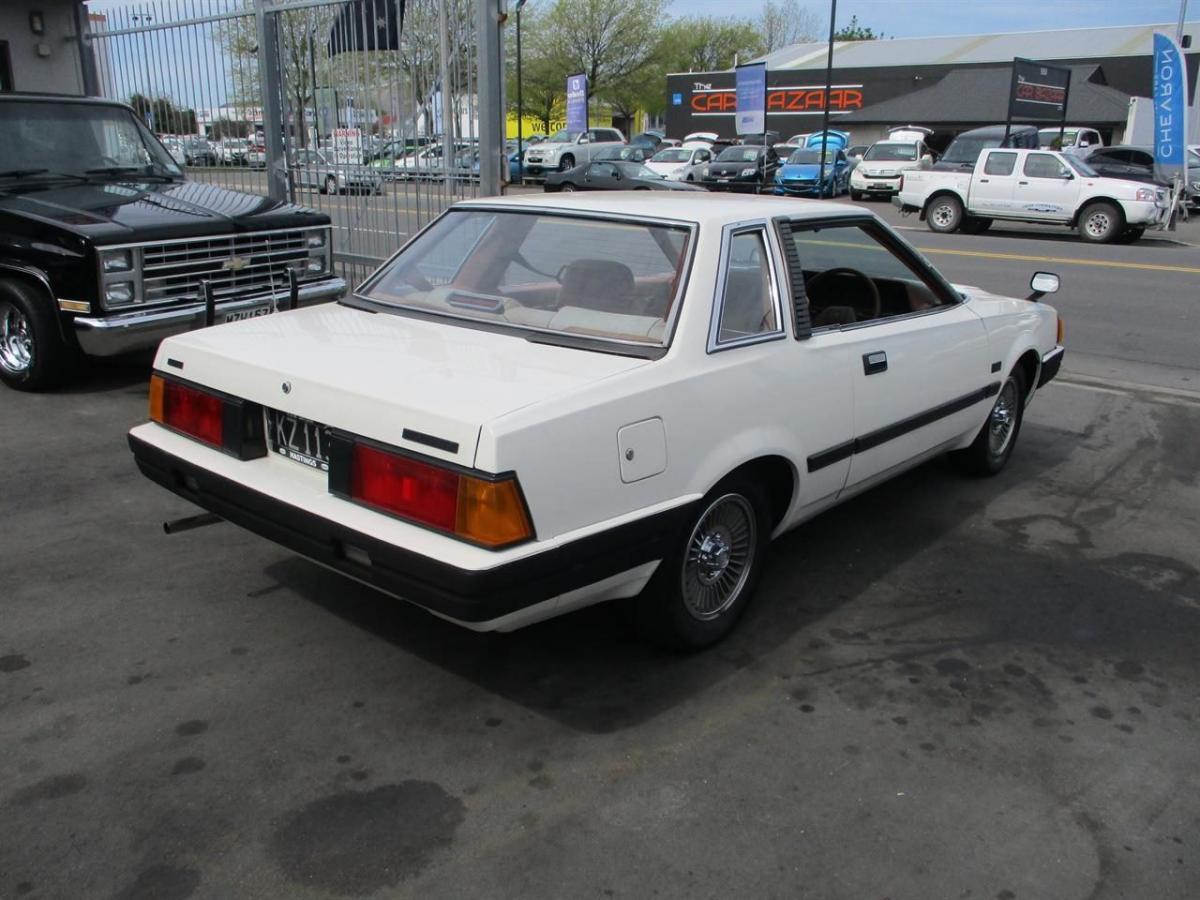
(520, 105)
(828, 91)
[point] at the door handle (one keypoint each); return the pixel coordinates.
(1022, 182)
(983, 181)
(874, 362)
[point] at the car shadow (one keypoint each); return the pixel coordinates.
(130, 372)
(588, 671)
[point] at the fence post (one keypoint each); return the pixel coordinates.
(490, 69)
(271, 81)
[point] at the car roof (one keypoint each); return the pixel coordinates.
(989, 130)
(697, 207)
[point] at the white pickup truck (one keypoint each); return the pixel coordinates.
(1033, 186)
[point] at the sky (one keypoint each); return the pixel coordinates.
(914, 18)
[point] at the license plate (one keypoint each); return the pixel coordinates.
(238, 315)
(298, 439)
(723, 180)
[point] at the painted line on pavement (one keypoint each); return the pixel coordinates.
(1066, 260)
(1158, 393)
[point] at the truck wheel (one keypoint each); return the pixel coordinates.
(994, 444)
(855, 195)
(975, 225)
(33, 355)
(945, 214)
(567, 162)
(705, 583)
(1100, 223)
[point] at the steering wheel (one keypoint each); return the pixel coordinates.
(838, 271)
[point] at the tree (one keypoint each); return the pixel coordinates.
(785, 22)
(162, 115)
(852, 31)
(706, 44)
(607, 40)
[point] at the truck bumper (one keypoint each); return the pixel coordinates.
(906, 208)
(143, 329)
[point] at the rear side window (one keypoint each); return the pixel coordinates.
(1000, 164)
(1043, 165)
(748, 305)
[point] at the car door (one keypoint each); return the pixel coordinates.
(992, 187)
(599, 176)
(799, 388)
(917, 361)
(1047, 189)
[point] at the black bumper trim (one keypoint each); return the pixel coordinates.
(1051, 363)
(463, 594)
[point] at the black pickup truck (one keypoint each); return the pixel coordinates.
(105, 248)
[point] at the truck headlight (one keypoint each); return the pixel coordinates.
(120, 294)
(316, 239)
(747, 172)
(1145, 194)
(116, 260)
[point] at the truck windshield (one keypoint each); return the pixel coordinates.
(1080, 166)
(886, 152)
(540, 272)
(92, 140)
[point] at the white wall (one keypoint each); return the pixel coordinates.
(58, 71)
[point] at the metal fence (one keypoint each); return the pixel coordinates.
(379, 113)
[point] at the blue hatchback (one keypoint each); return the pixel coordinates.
(799, 176)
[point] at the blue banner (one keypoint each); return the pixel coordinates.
(1170, 108)
(751, 81)
(577, 103)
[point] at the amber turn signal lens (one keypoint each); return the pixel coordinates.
(156, 398)
(1062, 331)
(491, 513)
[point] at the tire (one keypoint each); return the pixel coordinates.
(975, 225)
(698, 594)
(855, 195)
(331, 184)
(944, 214)
(567, 162)
(566, 186)
(1101, 223)
(33, 354)
(990, 450)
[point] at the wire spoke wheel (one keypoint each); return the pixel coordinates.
(16, 340)
(1003, 419)
(719, 557)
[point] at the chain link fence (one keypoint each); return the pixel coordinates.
(371, 111)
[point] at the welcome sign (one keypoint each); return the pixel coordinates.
(751, 93)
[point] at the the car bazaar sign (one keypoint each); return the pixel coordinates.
(1039, 92)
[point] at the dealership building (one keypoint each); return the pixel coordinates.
(948, 84)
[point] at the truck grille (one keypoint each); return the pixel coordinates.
(236, 265)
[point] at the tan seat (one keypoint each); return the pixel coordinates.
(603, 285)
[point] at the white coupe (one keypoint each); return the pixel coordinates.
(541, 403)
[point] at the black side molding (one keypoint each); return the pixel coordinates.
(881, 436)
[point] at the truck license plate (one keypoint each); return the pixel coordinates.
(238, 315)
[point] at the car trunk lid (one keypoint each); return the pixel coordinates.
(421, 385)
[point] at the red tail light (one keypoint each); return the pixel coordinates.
(484, 511)
(227, 423)
(194, 412)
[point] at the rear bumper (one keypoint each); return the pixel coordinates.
(144, 329)
(1051, 363)
(464, 595)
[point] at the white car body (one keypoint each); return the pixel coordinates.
(1005, 184)
(554, 156)
(679, 170)
(882, 176)
(1074, 137)
(704, 136)
(613, 450)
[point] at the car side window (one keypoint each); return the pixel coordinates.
(748, 304)
(857, 273)
(602, 170)
(1141, 158)
(1000, 164)
(1043, 165)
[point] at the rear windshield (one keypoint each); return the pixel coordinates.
(675, 154)
(740, 154)
(543, 272)
(967, 150)
(882, 151)
(808, 157)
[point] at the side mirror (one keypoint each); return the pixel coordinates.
(926, 160)
(583, 139)
(1041, 284)
(1068, 176)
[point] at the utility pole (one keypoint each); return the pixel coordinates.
(1179, 28)
(828, 91)
(520, 105)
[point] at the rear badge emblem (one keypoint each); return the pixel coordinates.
(287, 387)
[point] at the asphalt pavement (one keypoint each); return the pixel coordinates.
(946, 688)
